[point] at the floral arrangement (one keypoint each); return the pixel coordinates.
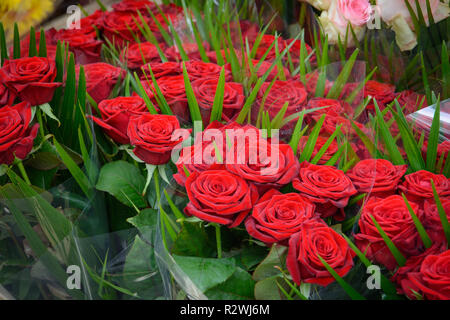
(197, 141)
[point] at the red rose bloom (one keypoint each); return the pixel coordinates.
(325, 186)
(311, 84)
(151, 134)
(265, 43)
(277, 216)
(161, 69)
(377, 177)
(432, 281)
(31, 79)
(83, 43)
(116, 114)
(139, 54)
(331, 122)
(101, 79)
(264, 164)
(431, 220)
(173, 90)
(202, 70)
(417, 186)
(330, 106)
(16, 134)
(219, 196)
(316, 239)
(205, 91)
(320, 142)
(118, 27)
(394, 218)
(93, 20)
(294, 52)
(413, 265)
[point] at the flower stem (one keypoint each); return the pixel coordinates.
(23, 172)
(41, 124)
(218, 241)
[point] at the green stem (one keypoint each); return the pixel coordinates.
(23, 172)
(218, 241)
(41, 124)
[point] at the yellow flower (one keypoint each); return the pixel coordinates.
(26, 13)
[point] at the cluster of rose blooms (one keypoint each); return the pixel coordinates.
(227, 193)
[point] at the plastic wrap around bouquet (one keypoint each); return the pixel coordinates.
(184, 152)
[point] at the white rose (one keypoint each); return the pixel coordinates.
(319, 4)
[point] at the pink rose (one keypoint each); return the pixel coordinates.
(357, 12)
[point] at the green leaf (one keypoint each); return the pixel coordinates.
(268, 289)
(433, 138)
(399, 257)
(76, 172)
(327, 144)
(352, 293)
(297, 134)
(420, 229)
(32, 50)
(216, 111)
(275, 258)
(47, 110)
(341, 80)
(194, 240)
(3, 46)
(240, 286)
(124, 181)
(42, 44)
(307, 151)
(206, 273)
(442, 214)
(192, 101)
(16, 48)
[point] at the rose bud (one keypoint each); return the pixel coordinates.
(276, 216)
(16, 135)
(392, 215)
(153, 137)
(31, 79)
(316, 239)
(116, 114)
(377, 177)
(325, 186)
(219, 196)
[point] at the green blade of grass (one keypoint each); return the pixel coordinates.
(217, 108)
(433, 138)
(420, 229)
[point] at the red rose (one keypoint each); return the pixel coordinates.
(119, 27)
(93, 20)
(265, 43)
(131, 6)
(161, 69)
(325, 186)
(191, 50)
(264, 66)
(411, 101)
(116, 114)
(394, 218)
(383, 93)
(316, 239)
(277, 216)
(417, 186)
(320, 142)
(6, 96)
(413, 265)
(202, 155)
(16, 134)
(432, 281)
(83, 43)
(173, 90)
(205, 91)
(31, 79)
(101, 79)
(264, 164)
(377, 177)
(290, 91)
(431, 220)
(332, 121)
(152, 135)
(219, 196)
(202, 70)
(330, 106)
(138, 54)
